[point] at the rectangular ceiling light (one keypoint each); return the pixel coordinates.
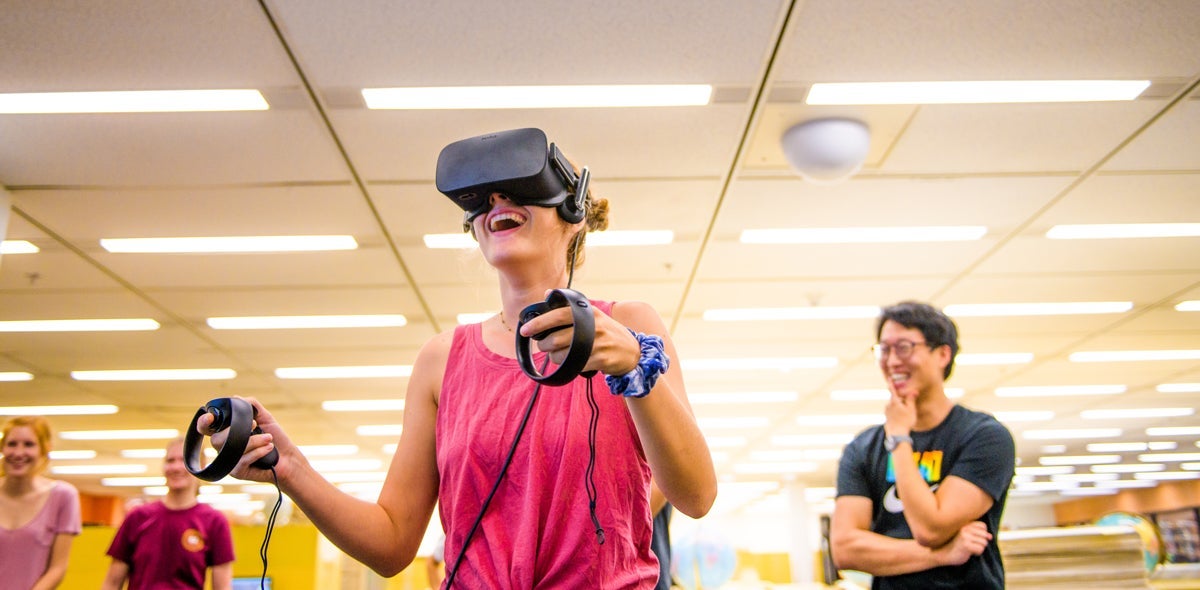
(144, 453)
(1129, 468)
(96, 325)
(1034, 309)
(1168, 475)
(379, 429)
(612, 237)
(133, 101)
(871, 395)
(1178, 388)
(1058, 390)
(228, 244)
(974, 92)
(1121, 414)
(1108, 356)
(17, 247)
(12, 376)
(351, 372)
(133, 481)
(761, 363)
(1173, 431)
(1118, 447)
(1112, 231)
(538, 97)
(1079, 459)
(72, 455)
(147, 434)
(747, 397)
(363, 405)
(863, 235)
(735, 314)
(155, 375)
(125, 469)
(1125, 484)
(1046, 470)
(1069, 433)
(993, 358)
(1168, 457)
(299, 322)
(1193, 305)
(1024, 416)
(80, 410)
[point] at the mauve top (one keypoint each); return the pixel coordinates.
(25, 551)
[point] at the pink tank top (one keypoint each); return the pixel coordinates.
(537, 532)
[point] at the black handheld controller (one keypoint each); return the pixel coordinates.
(231, 413)
(584, 323)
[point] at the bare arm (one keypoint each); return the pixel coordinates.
(221, 576)
(936, 516)
(855, 547)
(57, 567)
(384, 534)
(118, 573)
(675, 448)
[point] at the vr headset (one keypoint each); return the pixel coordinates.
(515, 163)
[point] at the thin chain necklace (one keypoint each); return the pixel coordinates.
(504, 323)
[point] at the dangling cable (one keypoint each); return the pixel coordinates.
(591, 480)
(262, 550)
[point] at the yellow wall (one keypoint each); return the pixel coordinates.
(291, 558)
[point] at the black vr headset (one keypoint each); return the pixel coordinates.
(515, 163)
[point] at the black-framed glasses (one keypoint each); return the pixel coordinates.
(902, 348)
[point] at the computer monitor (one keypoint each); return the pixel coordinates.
(255, 583)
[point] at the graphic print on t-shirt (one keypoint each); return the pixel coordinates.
(930, 465)
(192, 540)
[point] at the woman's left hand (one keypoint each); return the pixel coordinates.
(615, 351)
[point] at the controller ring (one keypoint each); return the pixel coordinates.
(237, 415)
(582, 339)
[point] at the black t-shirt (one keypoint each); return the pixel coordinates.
(970, 445)
(660, 544)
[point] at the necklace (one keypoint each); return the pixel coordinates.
(504, 323)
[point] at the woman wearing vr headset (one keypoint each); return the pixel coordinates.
(568, 505)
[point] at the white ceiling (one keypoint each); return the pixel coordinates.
(319, 162)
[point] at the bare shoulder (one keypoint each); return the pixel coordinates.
(639, 315)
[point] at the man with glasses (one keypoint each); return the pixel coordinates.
(919, 497)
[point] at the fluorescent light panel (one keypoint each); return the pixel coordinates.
(228, 244)
(81, 410)
(1036, 309)
(1168, 457)
(1129, 447)
(748, 397)
(155, 375)
(974, 92)
(1109, 356)
(1118, 414)
(1168, 475)
(1129, 468)
(286, 322)
(791, 313)
(18, 247)
(125, 469)
(132, 101)
(93, 325)
(863, 235)
(144, 453)
(139, 482)
(1071, 433)
(1111, 231)
(1173, 431)
(72, 455)
(1178, 388)
(1193, 305)
(379, 429)
(993, 358)
(1058, 390)
(760, 363)
(1046, 470)
(363, 405)
(350, 372)
(14, 376)
(1079, 459)
(146, 434)
(537, 97)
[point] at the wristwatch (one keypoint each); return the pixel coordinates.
(891, 442)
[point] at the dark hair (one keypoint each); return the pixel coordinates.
(936, 326)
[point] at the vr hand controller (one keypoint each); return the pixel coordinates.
(231, 413)
(584, 323)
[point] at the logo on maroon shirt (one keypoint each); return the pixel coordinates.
(192, 540)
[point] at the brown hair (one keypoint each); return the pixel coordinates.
(41, 430)
(595, 220)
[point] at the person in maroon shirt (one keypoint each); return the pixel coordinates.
(172, 543)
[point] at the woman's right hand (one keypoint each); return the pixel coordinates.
(272, 437)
